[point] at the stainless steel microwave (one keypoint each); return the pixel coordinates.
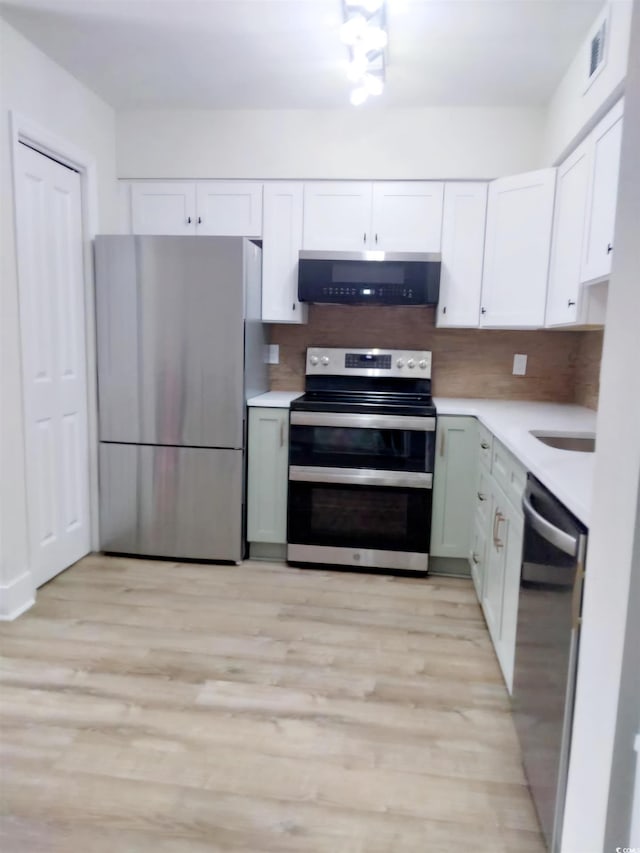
(369, 278)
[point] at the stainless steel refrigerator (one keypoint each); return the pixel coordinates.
(180, 348)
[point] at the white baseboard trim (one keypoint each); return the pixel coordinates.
(16, 597)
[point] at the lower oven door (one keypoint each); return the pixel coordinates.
(359, 517)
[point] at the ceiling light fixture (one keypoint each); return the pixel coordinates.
(364, 32)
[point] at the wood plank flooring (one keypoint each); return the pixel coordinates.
(155, 706)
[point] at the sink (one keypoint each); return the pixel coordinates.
(582, 442)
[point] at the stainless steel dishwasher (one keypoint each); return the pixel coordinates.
(546, 656)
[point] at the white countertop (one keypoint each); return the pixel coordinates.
(568, 474)
(274, 399)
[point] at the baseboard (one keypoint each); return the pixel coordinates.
(16, 597)
(267, 551)
(451, 566)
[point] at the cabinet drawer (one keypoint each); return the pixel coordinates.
(508, 473)
(485, 445)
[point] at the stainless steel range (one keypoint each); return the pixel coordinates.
(361, 453)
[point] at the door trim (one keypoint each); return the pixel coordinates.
(24, 130)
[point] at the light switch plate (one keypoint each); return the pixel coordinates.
(519, 364)
(272, 354)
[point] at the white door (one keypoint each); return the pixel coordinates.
(517, 246)
(407, 216)
(281, 243)
(337, 216)
(165, 207)
(463, 224)
(568, 234)
(52, 325)
(229, 208)
(601, 206)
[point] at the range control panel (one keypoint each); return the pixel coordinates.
(369, 362)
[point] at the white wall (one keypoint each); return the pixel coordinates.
(428, 143)
(574, 111)
(614, 510)
(43, 92)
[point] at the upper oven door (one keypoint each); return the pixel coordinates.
(350, 440)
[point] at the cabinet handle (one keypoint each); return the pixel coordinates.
(188, 220)
(483, 310)
(481, 497)
(475, 558)
(364, 237)
(444, 309)
(281, 433)
(293, 307)
(499, 518)
(376, 238)
(570, 302)
(609, 248)
(442, 443)
(484, 445)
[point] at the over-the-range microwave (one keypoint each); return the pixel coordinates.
(369, 278)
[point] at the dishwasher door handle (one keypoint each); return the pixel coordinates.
(564, 541)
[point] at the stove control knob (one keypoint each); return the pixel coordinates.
(325, 360)
(313, 360)
(423, 364)
(411, 364)
(399, 363)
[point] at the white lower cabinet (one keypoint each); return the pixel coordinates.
(495, 548)
(453, 486)
(267, 475)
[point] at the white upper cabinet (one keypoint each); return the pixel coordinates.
(463, 227)
(605, 141)
(281, 242)
(407, 216)
(354, 216)
(568, 232)
(229, 208)
(337, 216)
(167, 207)
(517, 246)
(218, 208)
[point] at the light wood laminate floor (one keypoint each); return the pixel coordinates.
(153, 706)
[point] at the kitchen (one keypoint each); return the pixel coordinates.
(152, 147)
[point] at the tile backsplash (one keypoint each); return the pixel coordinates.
(561, 367)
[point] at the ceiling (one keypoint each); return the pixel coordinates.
(286, 54)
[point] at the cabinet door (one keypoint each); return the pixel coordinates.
(163, 208)
(568, 235)
(477, 556)
(407, 216)
(229, 208)
(281, 242)
(267, 475)
(463, 226)
(337, 216)
(453, 486)
(518, 240)
(606, 140)
(495, 565)
(512, 536)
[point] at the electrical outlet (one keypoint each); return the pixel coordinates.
(272, 354)
(519, 364)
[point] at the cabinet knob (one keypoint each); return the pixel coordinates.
(484, 445)
(483, 310)
(376, 238)
(188, 220)
(444, 309)
(609, 248)
(481, 497)
(570, 302)
(364, 237)
(475, 558)
(199, 220)
(293, 307)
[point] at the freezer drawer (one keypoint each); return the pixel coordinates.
(180, 502)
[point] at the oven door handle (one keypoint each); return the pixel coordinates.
(356, 420)
(361, 477)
